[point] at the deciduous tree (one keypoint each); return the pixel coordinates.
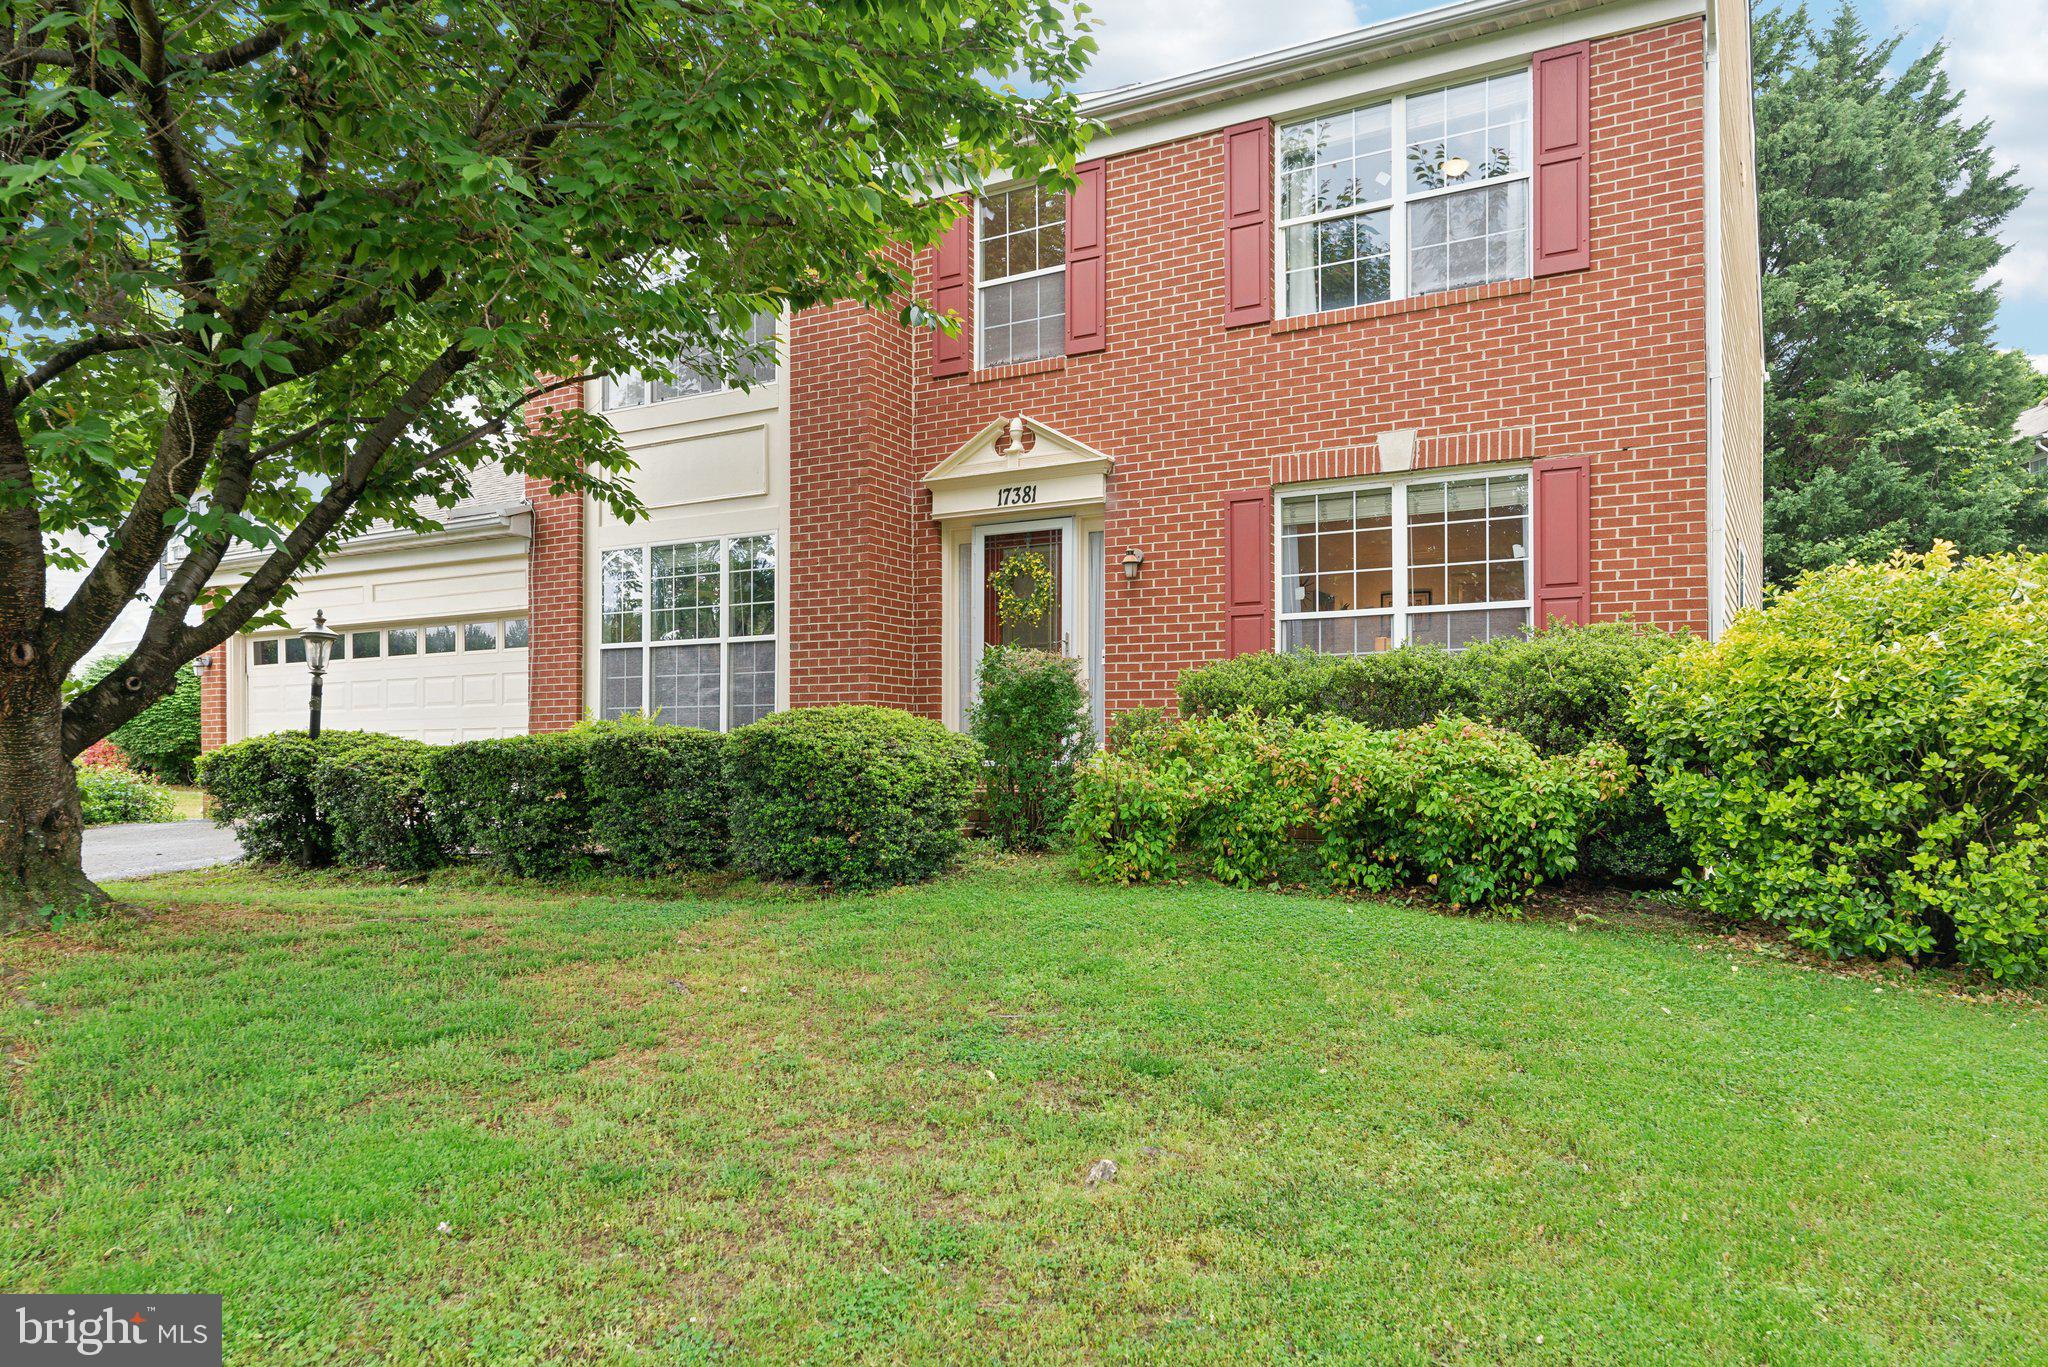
(272, 271)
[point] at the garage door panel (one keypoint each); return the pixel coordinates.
(441, 698)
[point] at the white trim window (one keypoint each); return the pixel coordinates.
(686, 632)
(1020, 299)
(697, 373)
(1358, 226)
(1431, 560)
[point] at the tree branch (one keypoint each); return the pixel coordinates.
(84, 349)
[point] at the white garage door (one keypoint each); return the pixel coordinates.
(438, 681)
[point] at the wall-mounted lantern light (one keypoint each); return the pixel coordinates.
(1134, 561)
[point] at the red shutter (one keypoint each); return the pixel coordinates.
(1248, 223)
(953, 292)
(1248, 570)
(1087, 273)
(1563, 511)
(1563, 191)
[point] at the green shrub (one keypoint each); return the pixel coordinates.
(371, 796)
(1133, 727)
(1864, 760)
(164, 739)
(108, 796)
(1561, 689)
(1030, 715)
(856, 797)
(1469, 809)
(657, 795)
(518, 803)
(264, 786)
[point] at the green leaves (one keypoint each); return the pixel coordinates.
(1858, 761)
(1889, 412)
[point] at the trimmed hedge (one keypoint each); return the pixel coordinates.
(518, 803)
(657, 795)
(1864, 761)
(851, 796)
(265, 787)
(1471, 810)
(372, 796)
(1561, 689)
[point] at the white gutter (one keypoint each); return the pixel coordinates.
(471, 524)
(1459, 21)
(1718, 598)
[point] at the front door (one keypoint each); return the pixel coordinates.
(1025, 571)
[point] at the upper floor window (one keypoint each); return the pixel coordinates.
(695, 375)
(1359, 225)
(1428, 562)
(1020, 306)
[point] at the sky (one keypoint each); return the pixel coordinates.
(1998, 55)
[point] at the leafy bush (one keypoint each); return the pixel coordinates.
(1030, 715)
(265, 786)
(1134, 726)
(108, 795)
(856, 797)
(371, 796)
(1561, 689)
(1863, 761)
(164, 740)
(657, 795)
(519, 802)
(1470, 809)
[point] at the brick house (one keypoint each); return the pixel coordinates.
(1429, 332)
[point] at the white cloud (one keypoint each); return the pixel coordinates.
(2040, 363)
(1143, 40)
(1997, 52)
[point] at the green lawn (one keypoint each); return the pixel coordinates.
(454, 1121)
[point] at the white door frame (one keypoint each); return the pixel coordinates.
(977, 630)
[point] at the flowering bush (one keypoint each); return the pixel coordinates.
(1864, 760)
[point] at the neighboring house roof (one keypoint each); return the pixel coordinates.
(2033, 423)
(497, 505)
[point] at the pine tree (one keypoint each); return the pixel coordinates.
(1890, 408)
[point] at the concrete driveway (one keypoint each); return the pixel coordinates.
(133, 851)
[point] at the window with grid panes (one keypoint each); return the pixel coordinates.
(1020, 305)
(687, 632)
(1441, 561)
(698, 373)
(1416, 195)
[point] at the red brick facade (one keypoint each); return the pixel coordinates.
(1607, 364)
(213, 700)
(555, 580)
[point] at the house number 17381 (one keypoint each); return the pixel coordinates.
(1016, 495)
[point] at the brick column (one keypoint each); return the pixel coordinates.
(213, 700)
(859, 523)
(554, 590)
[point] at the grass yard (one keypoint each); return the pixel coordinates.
(463, 1121)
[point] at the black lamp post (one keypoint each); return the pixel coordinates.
(319, 640)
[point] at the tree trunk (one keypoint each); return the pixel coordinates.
(41, 873)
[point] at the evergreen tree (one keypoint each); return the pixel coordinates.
(1890, 409)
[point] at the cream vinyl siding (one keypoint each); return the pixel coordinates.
(707, 467)
(1739, 367)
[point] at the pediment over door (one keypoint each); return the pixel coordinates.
(1018, 465)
